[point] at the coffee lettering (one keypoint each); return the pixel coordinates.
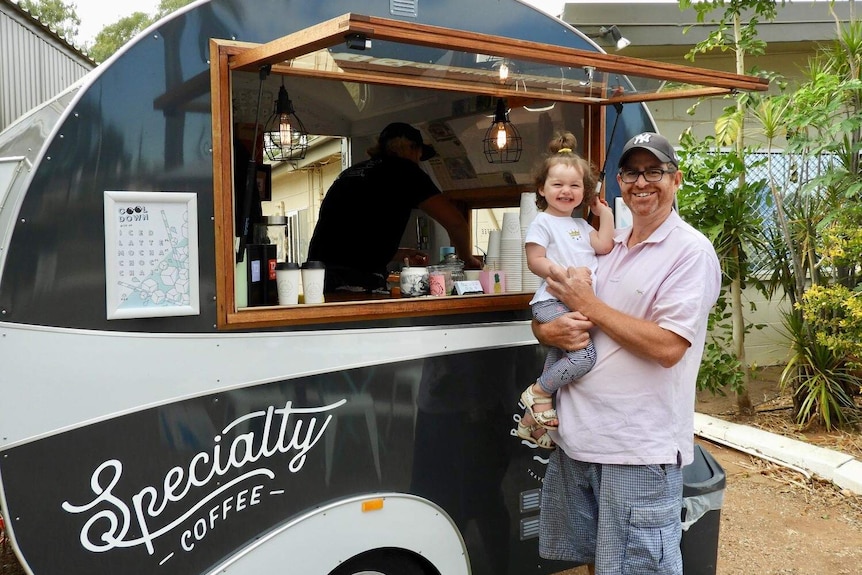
(297, 432)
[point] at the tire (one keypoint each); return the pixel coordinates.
(384, 562)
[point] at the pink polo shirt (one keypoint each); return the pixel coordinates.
(630, 410)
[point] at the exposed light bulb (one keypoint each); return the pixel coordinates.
(285, 131)
(502, 136)
(504, 72)
(502, 143)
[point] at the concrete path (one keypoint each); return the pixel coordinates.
(839, 468)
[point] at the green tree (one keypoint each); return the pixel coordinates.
(56, 14)
(816, 245)
(712, 199)
(169, 6)
(733, 32)
(824, 119)
(113, 36)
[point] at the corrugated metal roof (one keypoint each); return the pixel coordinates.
(35, 62)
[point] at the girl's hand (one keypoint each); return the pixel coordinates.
(600, 206)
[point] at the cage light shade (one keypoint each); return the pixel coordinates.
(502, 143)
(284, 137)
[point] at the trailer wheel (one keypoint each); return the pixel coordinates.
(385, 562)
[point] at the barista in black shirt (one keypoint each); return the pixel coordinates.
(364, 213)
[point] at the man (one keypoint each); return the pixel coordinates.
(364, 213)
(613, 490)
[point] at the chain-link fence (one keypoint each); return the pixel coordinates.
(789, 173)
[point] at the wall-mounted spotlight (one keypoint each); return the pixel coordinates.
(358, 42)
(615, 35)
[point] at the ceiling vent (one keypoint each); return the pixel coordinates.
(408, 8)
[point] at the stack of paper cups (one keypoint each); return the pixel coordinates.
(528, 211)
(512, 251)
(492, 256)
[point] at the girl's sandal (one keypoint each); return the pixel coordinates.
(544, 441)
(544, 418)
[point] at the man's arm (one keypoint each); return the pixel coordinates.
(439, 208)
(641, 337)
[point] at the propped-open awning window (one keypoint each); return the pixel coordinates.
(358, 52)
(381, 51)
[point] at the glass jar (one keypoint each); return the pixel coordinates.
(455, 267)
(439, 280)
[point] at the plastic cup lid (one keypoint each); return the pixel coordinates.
(287, 266)
(313, 265)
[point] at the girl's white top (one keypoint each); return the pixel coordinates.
(566, 241)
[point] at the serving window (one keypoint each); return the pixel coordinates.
(350, 76)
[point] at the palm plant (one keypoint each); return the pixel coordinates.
(818, 228)
(821, 383)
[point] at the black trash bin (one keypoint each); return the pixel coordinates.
(702, 492)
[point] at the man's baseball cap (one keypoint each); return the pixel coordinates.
(654, 143)
(403, 130)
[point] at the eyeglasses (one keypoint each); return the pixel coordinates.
(651, 175)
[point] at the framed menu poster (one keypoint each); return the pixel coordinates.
(151, 254)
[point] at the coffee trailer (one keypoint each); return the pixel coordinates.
(151, 423)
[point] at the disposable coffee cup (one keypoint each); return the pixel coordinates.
(288, 277)
(313, 275)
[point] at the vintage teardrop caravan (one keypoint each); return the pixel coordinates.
(153, 423)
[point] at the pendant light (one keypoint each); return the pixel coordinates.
(502, 143)
(284, 137)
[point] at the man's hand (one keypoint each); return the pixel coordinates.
(573, 287)
(568, 332)
(414, 257)
(471, 262)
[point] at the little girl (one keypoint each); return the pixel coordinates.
(565, 182)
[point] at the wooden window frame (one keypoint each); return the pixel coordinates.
(229, 56)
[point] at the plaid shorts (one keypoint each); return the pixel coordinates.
(624, 519)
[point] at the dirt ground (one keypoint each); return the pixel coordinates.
(774, 521)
